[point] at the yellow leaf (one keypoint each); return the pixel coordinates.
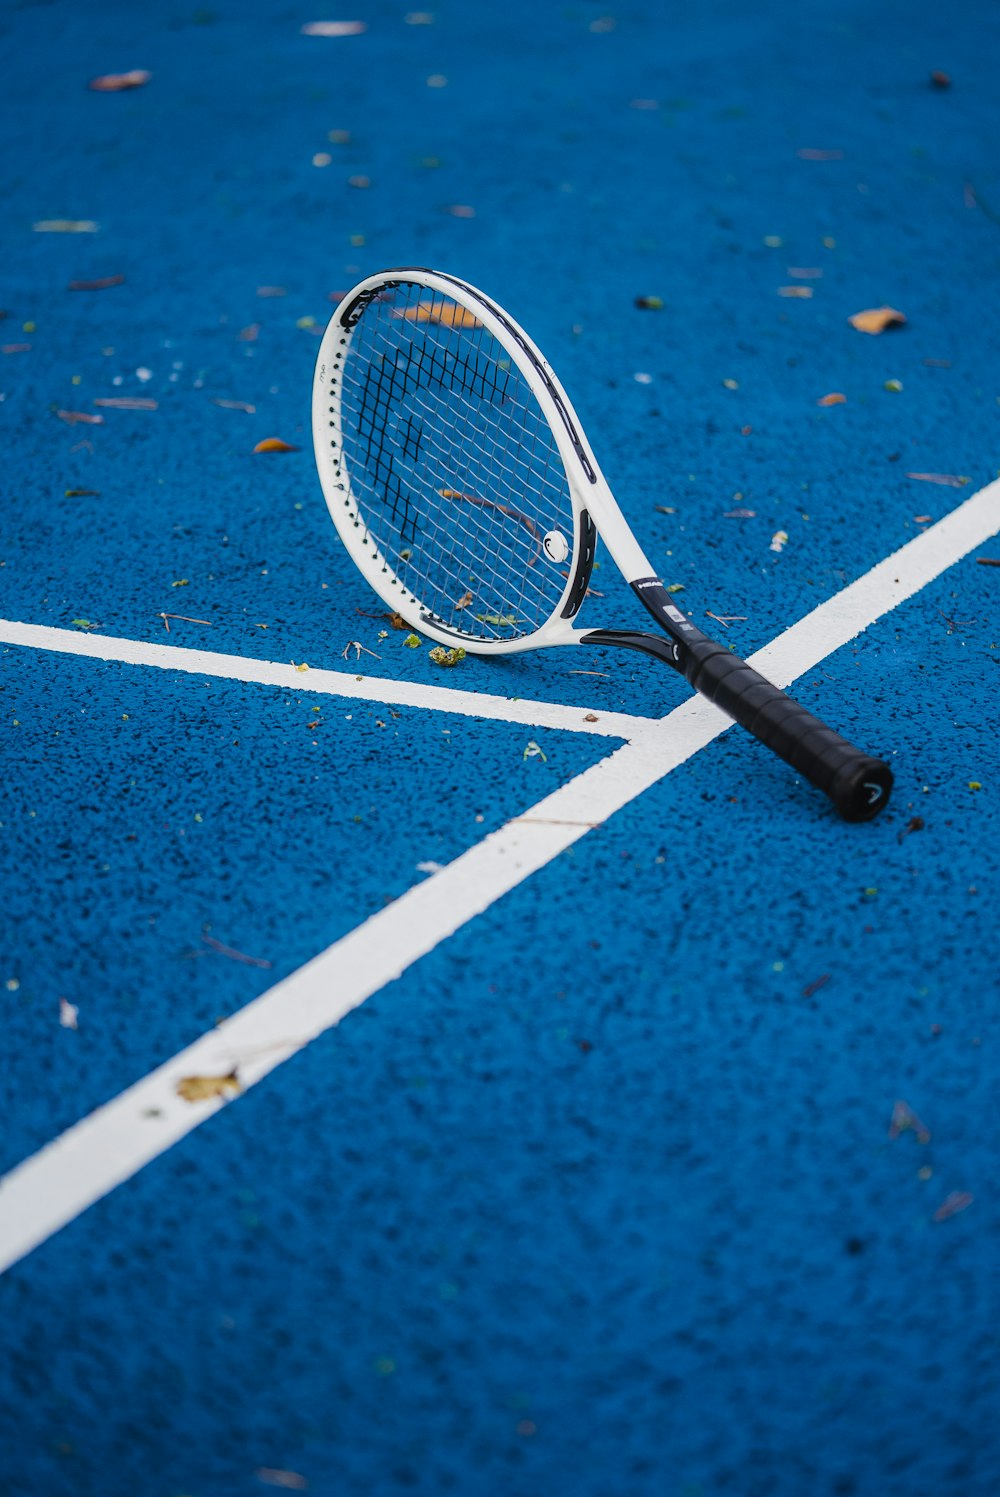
(274, 444)
(876, 319)
(203, 1088)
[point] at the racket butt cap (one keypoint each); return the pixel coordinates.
(861, 789)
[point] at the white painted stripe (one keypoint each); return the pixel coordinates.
(101, 1151)
(328, 683)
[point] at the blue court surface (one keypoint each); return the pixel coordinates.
(498, 1081)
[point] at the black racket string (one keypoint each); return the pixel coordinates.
(454, 467)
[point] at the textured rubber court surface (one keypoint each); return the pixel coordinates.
(669, 1168)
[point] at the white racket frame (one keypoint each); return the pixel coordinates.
(587, 486)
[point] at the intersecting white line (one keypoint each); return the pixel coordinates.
(326, 682)
(52, 1187)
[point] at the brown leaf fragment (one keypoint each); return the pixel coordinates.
(127, 403)
(950, 480)
(922, 519)
(814, 987)
(275, 1478)
(591, 717)
(940, 80)
(835, 398)
(204, 1088)
(958, 1200)
(988, 561)
(464, 600)
(903, 1117)
(249, 334)
(15, 347)
(397, 621)
(115, 83)
(274, 444)
(915, 824)
(76, 418)
(876, 319)
(99, 285)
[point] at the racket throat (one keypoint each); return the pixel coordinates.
(684, 644)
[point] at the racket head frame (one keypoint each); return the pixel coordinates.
(593, 507)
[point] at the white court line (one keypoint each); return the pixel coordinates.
(49, 1189)
(329, 683)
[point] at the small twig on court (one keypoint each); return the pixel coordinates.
(237, 956)
(954, 624)
(725, 619)
(357, 647)
(166, 616)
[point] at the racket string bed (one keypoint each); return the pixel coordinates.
(436, 409)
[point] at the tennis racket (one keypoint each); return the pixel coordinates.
(462, 484)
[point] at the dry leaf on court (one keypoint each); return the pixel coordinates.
(67, 1014)
(876, 319)
(447, 313)
(274, 444)
(834, 399)
(114, 83)
(203, 1088)
(464, 600)
(802, 292)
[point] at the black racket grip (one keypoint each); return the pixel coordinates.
(858, 784)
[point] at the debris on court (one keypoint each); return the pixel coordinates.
(68, 1014)
(649, 303)
(894, 386)
(532, 751)
(357, 647)
(274, 444)
(915, 824)
(441, 656)
(334, 28)
(951, 480)
(674, 587)
(876, 319)
(101, 284)
(835, 398)
(116, 83)
(464, 600)
(813, 987)
(204, 1088)
(235, 405)
(82, 624)
(66, 226)
(230, 951)
(958, 1200)
(779, 540)
(802, 292)
(77, 418)
(166, 617)
(904, 1118)
(412, 641)
(127, 403)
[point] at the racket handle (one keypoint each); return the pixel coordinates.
(857, 783)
